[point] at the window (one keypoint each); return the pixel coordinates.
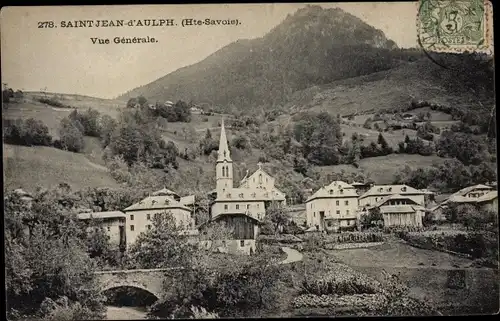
(148, 226)
(338, 212)
(258, 205)
(237, 206)
(346, 202)
(314, 214)
(248, 206)
(337, 203)
(329, 223)
(331, 191)
(148, 216)
(132, 217)
(131, 227)
(225, 207)
(341, 191)
(109, 228)
(347, 212)
(242, 243)
(260, 178)
(348, 223)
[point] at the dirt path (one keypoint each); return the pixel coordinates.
(293, 255)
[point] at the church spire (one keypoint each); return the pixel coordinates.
(223, 153)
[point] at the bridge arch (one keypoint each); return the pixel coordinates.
(131, 285)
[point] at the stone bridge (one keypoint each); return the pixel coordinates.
(150, 280)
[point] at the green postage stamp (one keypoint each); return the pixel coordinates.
(455, 25)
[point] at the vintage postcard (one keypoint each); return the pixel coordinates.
(249, 160)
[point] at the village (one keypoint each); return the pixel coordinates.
(338, 207)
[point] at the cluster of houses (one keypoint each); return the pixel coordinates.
(333, 208)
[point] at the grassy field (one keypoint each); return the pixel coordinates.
(383, 168)
(399, 255)
(29, 167)
(427, 274)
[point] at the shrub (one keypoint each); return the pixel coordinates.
(368, 302)
(53, 101)
(339, 279)
(29, 132)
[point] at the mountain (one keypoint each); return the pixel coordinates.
(314, 46)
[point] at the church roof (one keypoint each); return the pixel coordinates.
(223, 153)
(248, 194)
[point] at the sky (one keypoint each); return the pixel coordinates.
(64, 60)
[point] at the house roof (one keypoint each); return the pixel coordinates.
(22, 192)
(392, 197)
(164, 192)
(101, 215)
(334, 190)
(393, 209)
(380, 190)
(156, 202)
(469, 189)
(487, 197)
(459, 197)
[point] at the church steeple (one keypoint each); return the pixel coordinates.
(223, 154)
(224, 166)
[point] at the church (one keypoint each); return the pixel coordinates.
(244, 206)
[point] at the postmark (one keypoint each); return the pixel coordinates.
(455, 25)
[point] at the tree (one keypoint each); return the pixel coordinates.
(277, 216)
(320, 137)
(132, 102)
(162, 246)
(70, 136)
(215, 232)
(229, 286)
(49, 259)
(107, 125)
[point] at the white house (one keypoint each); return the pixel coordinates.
(140, 215)
(482, 196)
(113, 223)
(332, 207)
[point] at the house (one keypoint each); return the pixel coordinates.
(332, 207)
(484, 197)
(400, 210)
(140, 215)
(254, 194)
(113, 223)
(488, 202)
(408, 116)
(245, 230)
(378, 192)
